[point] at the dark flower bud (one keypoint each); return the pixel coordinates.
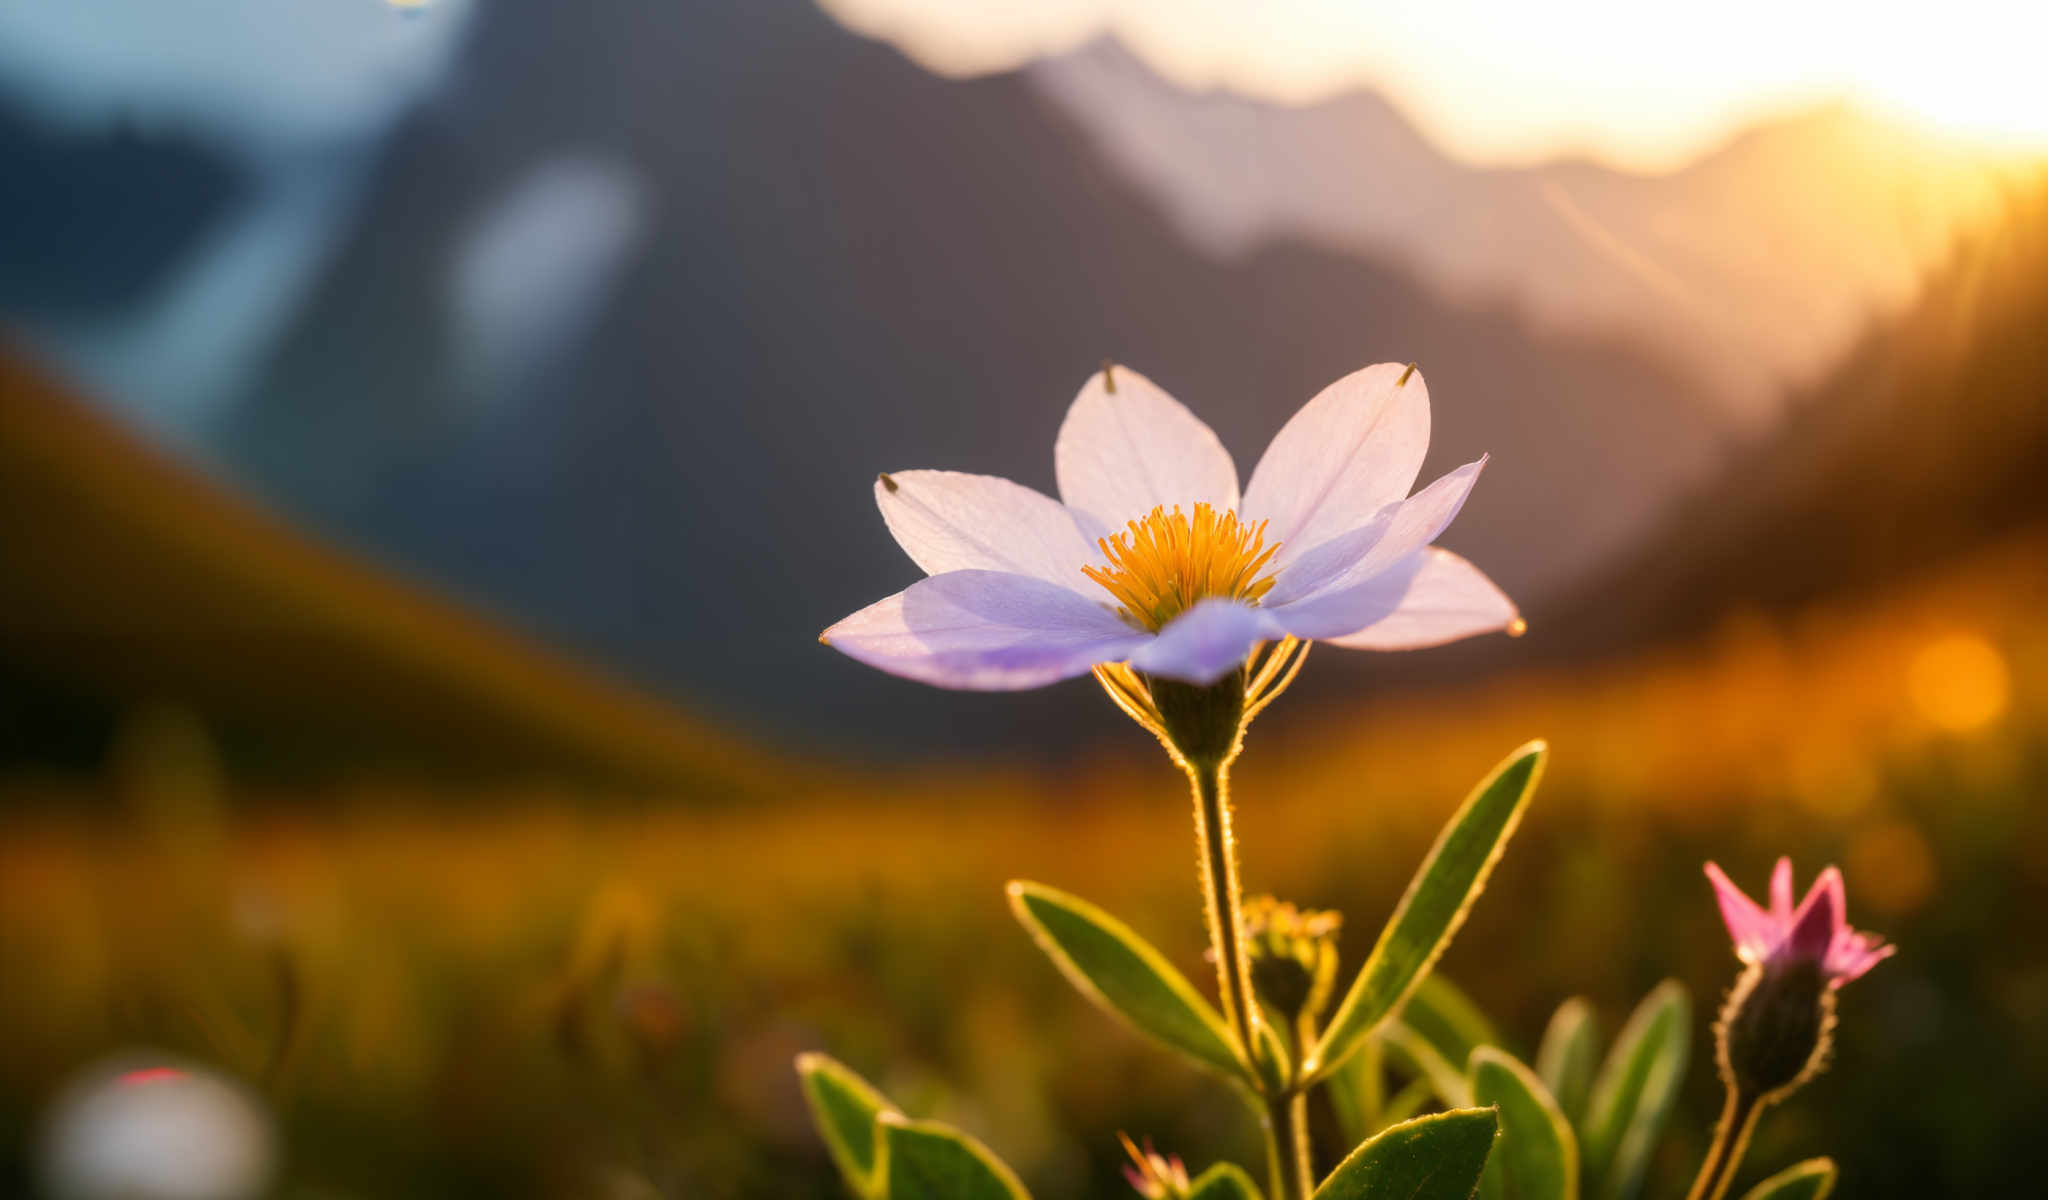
(1776, 1028)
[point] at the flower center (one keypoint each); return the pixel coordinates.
(1160, 565)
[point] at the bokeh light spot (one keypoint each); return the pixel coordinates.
(1960, 682)
(1892, 866)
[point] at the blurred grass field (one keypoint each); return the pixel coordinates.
(546, 991)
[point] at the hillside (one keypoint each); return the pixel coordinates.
(1925, 444)
(133, 582)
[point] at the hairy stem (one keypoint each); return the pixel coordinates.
(1291, 1177)
(1221, 896)
(1731, 1142)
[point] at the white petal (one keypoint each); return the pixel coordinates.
(1445, 598)
(1348, 453)
(984, 631)
(1390, 537)
(948, 521)
(1121, 454)
(1206, 642)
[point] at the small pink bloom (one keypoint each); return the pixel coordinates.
(1817, 930)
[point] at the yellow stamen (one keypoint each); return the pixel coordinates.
(1161, 565)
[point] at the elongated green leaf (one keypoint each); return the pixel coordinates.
(1538, 1156)
(1117, 969)
(928, 1160)
(1224, 1181)
(845, 1108)
(1634, 1092)
(1810, 1180)
(1569, 1055)
(1435, 905)
(1413, 1052)
(1437, 1157)
(1442, 1012)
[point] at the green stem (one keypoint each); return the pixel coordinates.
(1731, 1141)
(1221, 896)
(1287, 1147)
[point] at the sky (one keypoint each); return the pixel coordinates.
(1645, 86)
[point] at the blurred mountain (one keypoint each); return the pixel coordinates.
(1927, 443)
(1754, 268)
(135, 587)
(841, 264)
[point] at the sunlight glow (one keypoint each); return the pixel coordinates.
(1647, 86)
(1960, 682)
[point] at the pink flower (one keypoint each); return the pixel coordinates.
(1818, 930)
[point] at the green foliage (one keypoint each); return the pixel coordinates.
(1420, 1057)
(1119, 971)
(845, 1108)
(928, 1160)
(1438, 1157)
(1224, 1181)
(1435, 905)
(1444, 1014)
(1358, 1093)
(1569, 1055)
(1634, 1092)
(1810, 1180)
(885, 1155)
(1538, 1158)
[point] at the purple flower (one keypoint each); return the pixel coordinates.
(1817, 931)
(1151, 557)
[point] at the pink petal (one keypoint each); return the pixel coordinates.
(949, 521)
(1446, 598)
(1851, 964)
(1819, 916)
(1348, 453)
(984, 631)
(1120, 454)
(1781, 890)
(1206, 642)
(1749, 927)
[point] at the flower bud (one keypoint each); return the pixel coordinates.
(1776, 1028)
(1153, 1175)
(1293, 954)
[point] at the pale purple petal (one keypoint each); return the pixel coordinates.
(1348, 453)
(1749, 927)
(1394, 534)
(1781, 890)
(1819, 916)
(1121, 454)
(1204, 643)
(984, 631)
(1446, 598)
(949, 521)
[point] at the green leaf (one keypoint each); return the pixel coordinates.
(1634, 1092)
(1406, 1103)
(1810, 1180)
(1437, 1157)
(845, 1108)
(1415, 1053)
(1538, 1158)
(1435, 905)
(1224, 1181)
(928, 1160)
(1568, 1056)
(1116, 968)
(1441, 1011)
